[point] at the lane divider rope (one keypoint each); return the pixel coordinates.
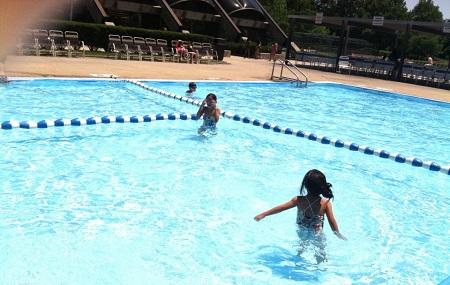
(397, 157)
(43, 124)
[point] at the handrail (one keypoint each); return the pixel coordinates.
(285, 64)
(281, 71)
(298, 69)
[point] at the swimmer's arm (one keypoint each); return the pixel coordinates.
(201, 110)
(332, 221)
(280, 208)
(217, 115)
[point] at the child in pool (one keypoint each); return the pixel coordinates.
(192, 89)
(210, 113)
(310, 211)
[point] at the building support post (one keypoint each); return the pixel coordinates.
(403, 52)
(448, 66)
(341, 44)
(71, 11)
(288, 43)
(347, 35)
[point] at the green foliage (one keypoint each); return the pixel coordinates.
(426, 11)
(341, 8)
(320, 30)
(390, 9)
(445, 53)
(303, 7)
(422, 46)
(279, 12)
(96, 35)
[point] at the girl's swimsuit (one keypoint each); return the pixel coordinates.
(209, 122)
(314, 222)
(209, 125)
(310, 231)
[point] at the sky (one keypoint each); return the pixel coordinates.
(444, 6)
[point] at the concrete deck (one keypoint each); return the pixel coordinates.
(233, 68)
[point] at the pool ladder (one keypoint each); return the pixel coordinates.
(294, 70)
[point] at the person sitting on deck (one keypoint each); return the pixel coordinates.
(180, 49)
(192, 54)
(429, 61)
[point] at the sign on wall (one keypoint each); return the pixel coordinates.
(446, 28)
(319, 18)
(377, 21)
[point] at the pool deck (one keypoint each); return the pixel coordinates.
(233, 68)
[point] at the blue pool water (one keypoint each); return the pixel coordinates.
(155, 203)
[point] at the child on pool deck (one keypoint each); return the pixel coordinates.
(311, 209)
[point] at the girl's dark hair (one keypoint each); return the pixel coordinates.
(316, 184)
(212, 95)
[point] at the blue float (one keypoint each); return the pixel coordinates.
(339, 143)
(354, 147)
(312, 137)
(384, 154)
(325, 140)
(267, 125)
(277, 129)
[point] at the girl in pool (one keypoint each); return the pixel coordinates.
(310, 212)
(210, 113)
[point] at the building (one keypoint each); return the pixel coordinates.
(230, 19)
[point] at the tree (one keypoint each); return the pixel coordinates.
(422, 46)
(445, 53)
(389, 9)
(426, 11)
(340, 8)
(301, 7)
(278, 10)
(266, 3)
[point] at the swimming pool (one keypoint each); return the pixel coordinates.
(129, 203)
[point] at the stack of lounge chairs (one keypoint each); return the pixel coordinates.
(378, 68)
(52, 42)
(129, 48)
(56, 43)
(316, 61)
(426, 75)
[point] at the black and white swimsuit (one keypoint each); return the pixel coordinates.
(314, 222)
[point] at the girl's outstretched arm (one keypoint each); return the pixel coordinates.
(332, 221)
(280, 208)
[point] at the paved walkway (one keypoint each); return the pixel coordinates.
(234, 68)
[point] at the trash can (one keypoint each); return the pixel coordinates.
(219, 45)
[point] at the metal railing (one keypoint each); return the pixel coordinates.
(288, 65)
